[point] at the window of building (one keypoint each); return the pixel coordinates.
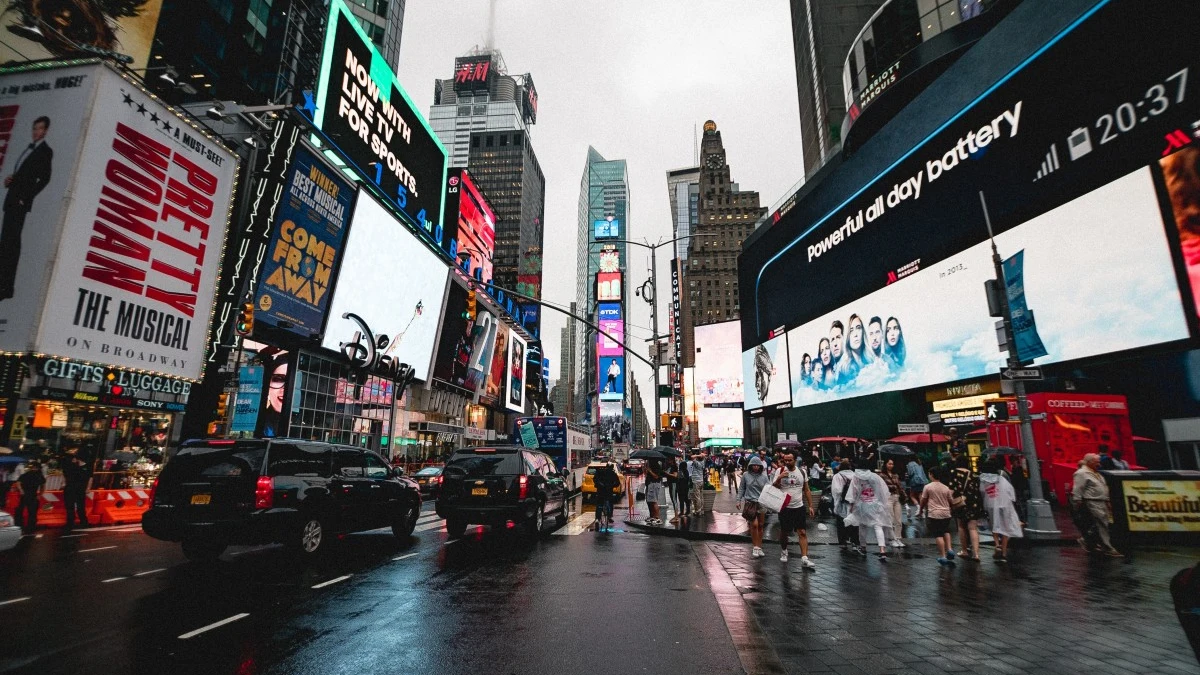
(489, 141)
(504, 140)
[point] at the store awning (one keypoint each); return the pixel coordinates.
(1143, 439)
(919, 438)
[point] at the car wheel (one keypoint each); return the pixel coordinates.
(455, 527)
(406, 523)
(314, 537)
(561, 518)
(538, 522)
(202, 550)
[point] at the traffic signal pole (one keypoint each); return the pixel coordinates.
(1040, 520)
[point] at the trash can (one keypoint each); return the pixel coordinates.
(710, 497)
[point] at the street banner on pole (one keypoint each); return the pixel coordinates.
(1029, 344)
(248, 399)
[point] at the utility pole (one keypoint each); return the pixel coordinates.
(1040, 521)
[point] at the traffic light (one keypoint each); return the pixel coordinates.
(222, 405)
(245, 322)
(471, 307)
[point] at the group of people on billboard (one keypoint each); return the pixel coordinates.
(852, 348)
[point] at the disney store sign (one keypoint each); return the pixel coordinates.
(368, 353)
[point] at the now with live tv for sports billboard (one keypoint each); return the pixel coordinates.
(1066, 152)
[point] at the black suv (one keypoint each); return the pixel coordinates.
(496, 485)
(214, 493)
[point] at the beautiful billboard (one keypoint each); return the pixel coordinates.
(63, 27)
(302, 256)
(473, 73)
(363, 109)
(612, 378)
(455, 337)
(470, 224)
(394, 282)
(608, 287)
(611, 341)
(515, 397)
(765, 370)
(609, 260)
(494, 391)
(720, 422)
(606, 229)
(483, 342)
(115, 211)
(719, 363)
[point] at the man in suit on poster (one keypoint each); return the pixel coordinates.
(29, 177)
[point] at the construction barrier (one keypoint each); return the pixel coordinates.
(118, 507)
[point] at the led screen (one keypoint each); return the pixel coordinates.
(612, 378)
(610, 260)
(470, 224)
(401, 301)
(606, 229)
(720, 422)
(765, 370)
(515, 396)
(608, 287)
(497, 373)
(719, 363)
(609, 320)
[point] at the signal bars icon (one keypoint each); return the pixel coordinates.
(1049, 164)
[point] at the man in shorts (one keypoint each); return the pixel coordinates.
(654, 490)
(793, 481)
(935, 505)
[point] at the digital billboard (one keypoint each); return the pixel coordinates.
(301, 260)
(608, 287)
(394, 282)
(363, 109)
(613, 425)
(609, 260)
(612, 378)
(455, 339)
(606, 229)
(720, 422)
(530, 104)
(608, 317)
(472, 73)
(473, 230)
(719, 363)
(124, 26)
(115, 214)
(494, 391)
(765, 372)
(1076, 151)
(515, 397)
(483, 342)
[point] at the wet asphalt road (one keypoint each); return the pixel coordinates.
(491, 602)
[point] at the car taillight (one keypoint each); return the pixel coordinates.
(264, 493)
(153, 490)
(523, 483)
(439, 480)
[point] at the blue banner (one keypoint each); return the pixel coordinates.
(310, 226)
(248, 399)
(1029, 344)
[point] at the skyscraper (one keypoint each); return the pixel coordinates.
(822, 32)
(481, 96)
(603, 199)
(683, 194)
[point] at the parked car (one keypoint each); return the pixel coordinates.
(589, 488)
(429, 480)
(214, 493)
(634, 467)
(10, 534)
(499, 485)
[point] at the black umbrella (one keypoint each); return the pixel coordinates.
(668, 451)
(895, 449)
(787, 445)
(1002, 450)
(646, 453)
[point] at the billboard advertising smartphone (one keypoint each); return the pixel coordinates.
(719, 363)
(515, 397)
(115, 211)
(394, 282)
(765, 369)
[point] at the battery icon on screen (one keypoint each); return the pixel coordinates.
(1079, 143)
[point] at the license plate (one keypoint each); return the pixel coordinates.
(479, 492)
(201, 499)
(421, 481)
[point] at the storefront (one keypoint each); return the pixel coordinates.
(963, 404)
(324, 404)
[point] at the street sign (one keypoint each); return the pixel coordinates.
(997, 411)
(1021, 373)
(935, 418)
(912, 428)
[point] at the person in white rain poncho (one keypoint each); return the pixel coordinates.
(999, 503)
(869, 508)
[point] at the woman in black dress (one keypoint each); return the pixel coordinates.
(968, 506)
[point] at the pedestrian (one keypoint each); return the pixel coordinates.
(671, 477)
(895, 494)
(1020, 483)
(869, 457)
(753, 481)
(967, 507)
(839, 487)
(935, 506)
(696, 489)
(606, 482)
(1118, 462)
(815, 470)
(654, 490)
(833, 463)
(915, 480)
(731, 467)
(999, 503)
(869, 510)
(683, 482)
(793, 481)
(30, 485)
(77, 480)
(1090, 496)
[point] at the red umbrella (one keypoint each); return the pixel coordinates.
(1143, 439)
(919, 438)
(835, 439)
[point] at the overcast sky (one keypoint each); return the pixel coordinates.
(634, 79)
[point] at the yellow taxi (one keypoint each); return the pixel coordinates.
(589, 488)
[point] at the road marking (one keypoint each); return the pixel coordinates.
(340, 579)
(70, 536)
(89, 550)
(403, 557)
(450, 541)
(109, 581)
(154, 571)
(582, 523)
(429, 526)
(222, 622)
(123, 528)
(13, 601)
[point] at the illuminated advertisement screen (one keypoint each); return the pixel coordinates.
(474, 230)
(361, 107)
(765, 371)
(610, 260)
(1079, 153)
(455, 343)
(301, 262)
(497, 373)
(608, 286)
(613, 425)
(720, 422)
(610, 321)
(472, 73)
(401, 301)
(515, 396)
(719, 363)
(606, 229)
(612, 378)
(483, 343)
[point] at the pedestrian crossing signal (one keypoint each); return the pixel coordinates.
(245, 322)
(997, 411)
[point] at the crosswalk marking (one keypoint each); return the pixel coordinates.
(581, 524)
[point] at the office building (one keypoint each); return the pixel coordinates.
(481, 96)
